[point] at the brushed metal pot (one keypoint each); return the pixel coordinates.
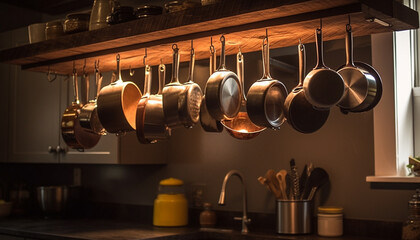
(52, 199)
(223, 91)
(117, 105)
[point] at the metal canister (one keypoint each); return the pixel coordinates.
(294, 216)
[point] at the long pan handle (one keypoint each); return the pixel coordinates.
(240, 70)
(175, 64)
(75, 87)
(118, 68)
(222, 65)
(266, 59)
(320, 49)
(98, 79)
(302, 63)
(162, 73)
(213, 59)
(192, 64)
(147, 80)
(349, 46)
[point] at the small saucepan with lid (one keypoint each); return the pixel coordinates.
(265, 98)
(223, 91)
(117, 104)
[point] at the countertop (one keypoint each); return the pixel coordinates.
(92, 229)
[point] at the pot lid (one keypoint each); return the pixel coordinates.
(171, 182)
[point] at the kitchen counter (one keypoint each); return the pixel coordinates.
(58, 229)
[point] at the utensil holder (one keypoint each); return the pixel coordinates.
(294, 216)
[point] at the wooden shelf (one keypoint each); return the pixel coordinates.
(242, 21)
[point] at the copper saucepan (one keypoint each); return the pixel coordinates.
(117, 104)
(73, 134)
(155, 128)
(241, 127)
(89, 113)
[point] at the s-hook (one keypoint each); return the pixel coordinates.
(49, 75)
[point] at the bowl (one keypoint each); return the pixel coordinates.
(5, 209)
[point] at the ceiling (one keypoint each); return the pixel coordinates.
(51, 7)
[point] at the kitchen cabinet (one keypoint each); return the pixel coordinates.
(244, 22)
(35, 109)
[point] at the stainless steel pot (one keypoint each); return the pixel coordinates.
(360, 85)
(52, 199)
(208, 123)
(223, 91)
(117, 105)
(171, 94)
(265, 98)
(190, 100)
(323, 87)
(155, 128)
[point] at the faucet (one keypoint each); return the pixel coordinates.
(244, 218)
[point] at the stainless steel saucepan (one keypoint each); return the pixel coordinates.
(223, 91)
(117, 104)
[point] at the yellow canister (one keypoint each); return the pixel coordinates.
(171, 205)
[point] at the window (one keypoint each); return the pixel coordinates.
(395, 57)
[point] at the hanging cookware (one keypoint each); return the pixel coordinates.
(142, 105)
(208, 123)
(190, 100)
(117, 104)
(223, 91)
(88, 116)
(73, 134)
(241, 127)
(323, 87)
(171, 94)
(300, 114)
(265, 98)
(360, 85)
(155, 128)
(378, 80)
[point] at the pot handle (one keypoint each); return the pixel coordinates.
(302, 62)
(192, 63)
(240, 70)
(118, 68)
(320, 51)
(349, 46)
(147, 80)
(222, 65)
(98, 78)
(213, 58)
(266, 59)
(162, 71)
(75, 87)
(175, 63)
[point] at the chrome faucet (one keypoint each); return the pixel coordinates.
(244, 218)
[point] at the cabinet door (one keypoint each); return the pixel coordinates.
(33, 115)
(106, 151)
(34, 118)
